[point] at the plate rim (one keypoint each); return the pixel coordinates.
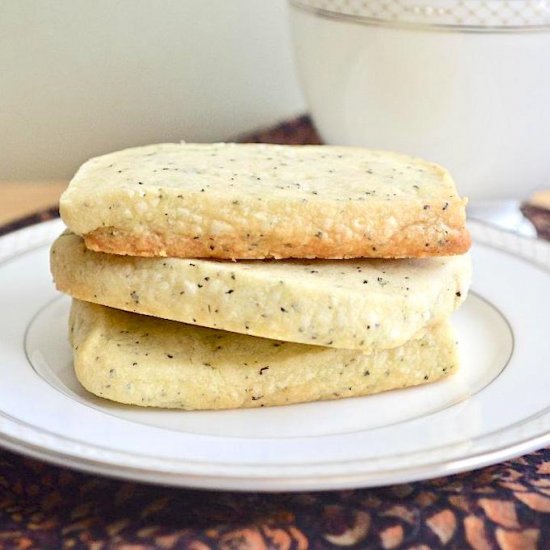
(247, 483)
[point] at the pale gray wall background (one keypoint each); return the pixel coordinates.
(83, 77)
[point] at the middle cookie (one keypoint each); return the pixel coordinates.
(364, 304)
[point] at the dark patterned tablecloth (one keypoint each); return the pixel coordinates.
(504, 506)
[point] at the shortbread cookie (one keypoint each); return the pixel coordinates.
(362, 304)
(151, 362)
(254, 201)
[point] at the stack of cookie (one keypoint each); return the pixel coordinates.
(227, 276)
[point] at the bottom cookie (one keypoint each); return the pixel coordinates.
(151, 362)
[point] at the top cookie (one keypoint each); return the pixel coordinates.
(253, 201)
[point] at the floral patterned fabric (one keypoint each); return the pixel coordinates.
(506, 506)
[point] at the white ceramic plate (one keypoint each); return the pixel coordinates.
(496, 407)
